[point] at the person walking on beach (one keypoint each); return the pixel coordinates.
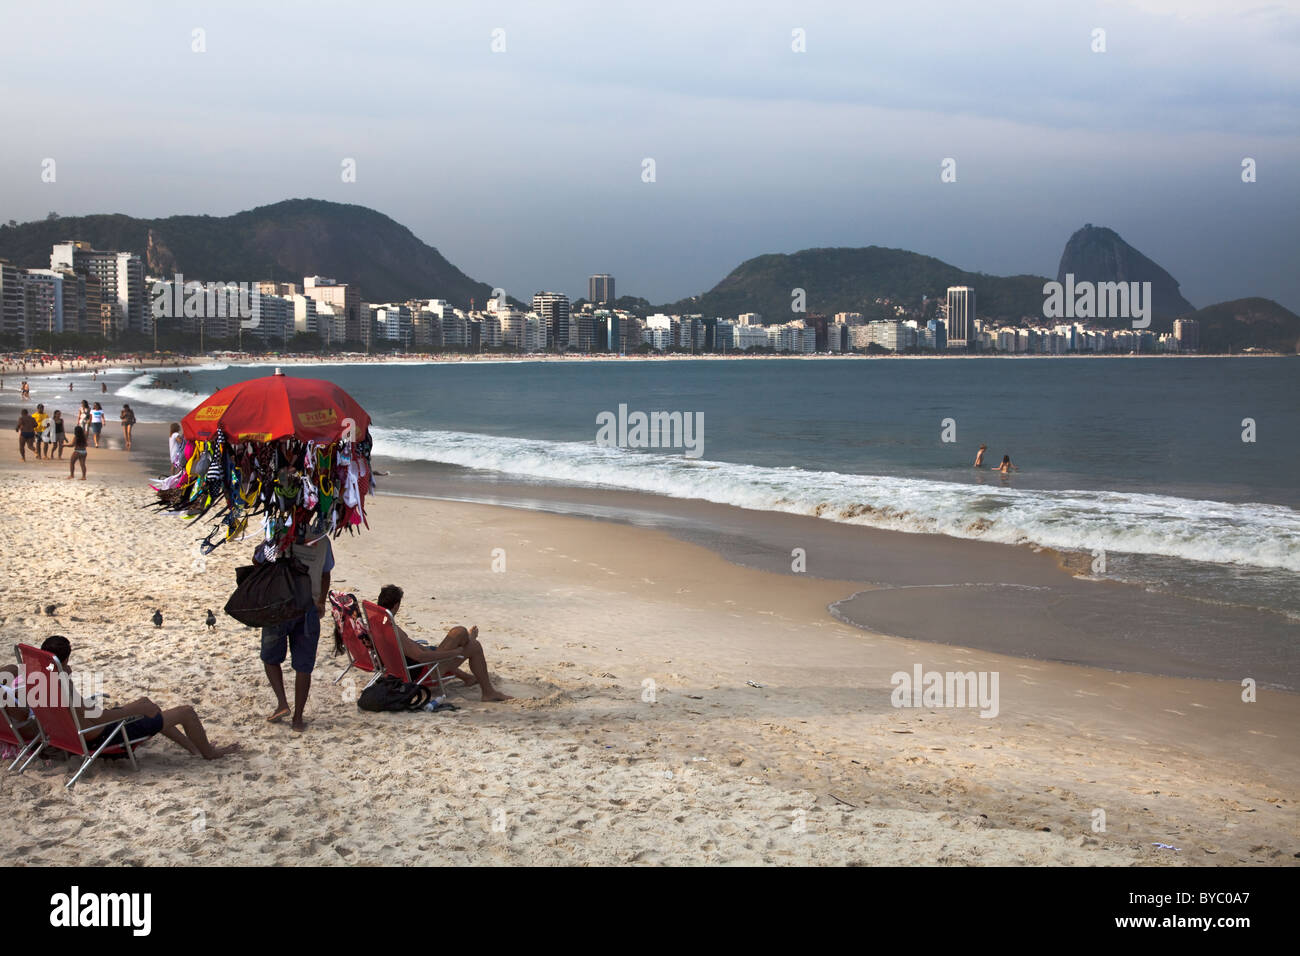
(128, 423)
(78, 452)
(40, 417)
(26, 433)
(83, 414)
(60, 434)
(96, 422)
(300, 636)
(48, 433)
(1006, 467)
(26, 391)
(979, 456)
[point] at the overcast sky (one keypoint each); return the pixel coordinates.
(524, 167)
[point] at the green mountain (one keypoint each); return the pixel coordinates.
(1098, 254)
(284, 241)
(850, 280)
(1248, 323)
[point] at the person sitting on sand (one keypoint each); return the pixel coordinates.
(181, 725)
(457, 644)
(1006, 467)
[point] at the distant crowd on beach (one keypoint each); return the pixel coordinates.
(45, 435)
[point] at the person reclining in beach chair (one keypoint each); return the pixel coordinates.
(181, 725)
(459, 643)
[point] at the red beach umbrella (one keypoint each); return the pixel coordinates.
(279, 406)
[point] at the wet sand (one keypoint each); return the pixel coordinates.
(996, 597)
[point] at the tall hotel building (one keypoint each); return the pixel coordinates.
(961, 316)
(345, 297)
(121, 279)
(600, 289)
(553, 308)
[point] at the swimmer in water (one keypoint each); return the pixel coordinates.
(979, 456)
(1006, 467)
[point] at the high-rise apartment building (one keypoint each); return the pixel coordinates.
(12, 302)
(960, 323)
(346, 299)
(600, 289)
(1187, 333)
(553, 308)
(121, 279)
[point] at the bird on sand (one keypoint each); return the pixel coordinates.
(212, 620)
(157, 618)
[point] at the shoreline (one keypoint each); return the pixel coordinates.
(582, 766)
(270, 360)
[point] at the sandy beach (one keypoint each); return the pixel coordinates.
(672, 707)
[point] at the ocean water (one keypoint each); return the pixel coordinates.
(1142, 459)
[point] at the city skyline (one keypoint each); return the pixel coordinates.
(764, 139)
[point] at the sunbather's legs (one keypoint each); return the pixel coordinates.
(142, 707)
(182, 725)
(467, 644)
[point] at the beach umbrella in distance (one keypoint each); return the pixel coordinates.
(279, 406)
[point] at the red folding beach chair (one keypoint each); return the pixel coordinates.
(379, 623)
(11, 731)
(58, 718)
(352, 627)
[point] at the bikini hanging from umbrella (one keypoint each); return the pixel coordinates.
(287, 449)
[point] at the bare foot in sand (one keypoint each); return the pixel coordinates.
(299, 724)
(497, 695)
(281, 712)
(219, 752)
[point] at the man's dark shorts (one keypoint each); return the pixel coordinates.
(138, 729)
(298, 637)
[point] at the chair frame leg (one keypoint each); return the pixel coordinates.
(119, 729)
(33, 748)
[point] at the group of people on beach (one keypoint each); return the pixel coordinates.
(45, 435)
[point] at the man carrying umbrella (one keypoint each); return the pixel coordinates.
(297, 638)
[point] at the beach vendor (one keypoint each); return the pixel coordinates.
(299, 637)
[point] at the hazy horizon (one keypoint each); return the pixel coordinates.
(524, 167)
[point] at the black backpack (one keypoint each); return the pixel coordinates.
(389, 693)
(270, 593)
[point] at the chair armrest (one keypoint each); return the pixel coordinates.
(111, 723)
